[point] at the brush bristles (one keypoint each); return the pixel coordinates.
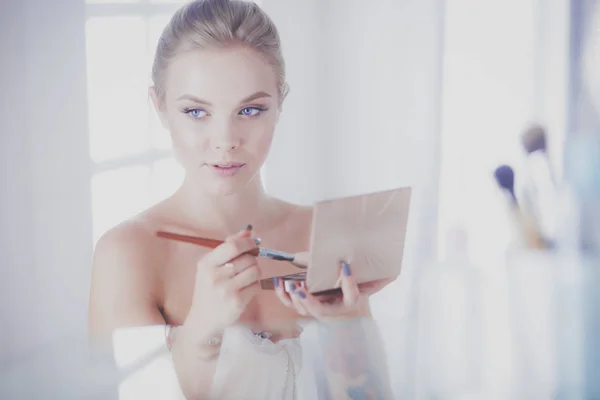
(534, 139)
(301, 259)
(505, 176)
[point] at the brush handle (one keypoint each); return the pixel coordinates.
(299, 260)
(210, 243)
(204, 242)
(529, 230)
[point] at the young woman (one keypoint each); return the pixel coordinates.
(219, 87)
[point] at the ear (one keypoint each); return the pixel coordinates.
(280, 105)
(284, 95)
(158, 107)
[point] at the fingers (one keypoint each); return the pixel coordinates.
(233, 247)
(245, 278)
(281, 293)
(292, 298)
(306, 304)
(236, 298)
(247, 293)
(245, 232)
(297, 296)
(234, 267)
(349, 286)
(309, 304)
(241, 288)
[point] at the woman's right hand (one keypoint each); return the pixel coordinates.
(227, 279)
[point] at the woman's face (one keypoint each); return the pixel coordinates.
(221, 107)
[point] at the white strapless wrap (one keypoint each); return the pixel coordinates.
(250, 367)
(146, 363)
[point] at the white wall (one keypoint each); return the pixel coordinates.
(291, 172)
(15, 184)
(364, 104)
(46, 217)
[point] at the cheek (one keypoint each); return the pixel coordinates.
(188, 145)
(259, 141)
(258, 146)
(263, 144)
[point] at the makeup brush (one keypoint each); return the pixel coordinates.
(541, 188)
(534, 141)
(534, 138)
(505, 177)
(300, 260)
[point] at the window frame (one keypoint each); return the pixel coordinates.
(144, 9)
(150, 156)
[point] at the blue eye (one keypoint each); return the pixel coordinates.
(195, 113)
(251, 111)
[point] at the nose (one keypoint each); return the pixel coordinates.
(225, 138)
(226, 145)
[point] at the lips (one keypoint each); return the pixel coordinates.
(226, 169)
(227, 165)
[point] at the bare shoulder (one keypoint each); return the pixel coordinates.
(130, 247)
(124, 288)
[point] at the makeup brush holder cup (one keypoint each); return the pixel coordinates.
(446, 338)
(554, 314)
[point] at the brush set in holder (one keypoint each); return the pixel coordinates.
(523, 327)
(552, 213)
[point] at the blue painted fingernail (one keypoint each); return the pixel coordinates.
(247, 228)
(346, 269)
(301, 294)
(275, 281)
(293, 287)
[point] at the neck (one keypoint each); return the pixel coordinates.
(224, 214)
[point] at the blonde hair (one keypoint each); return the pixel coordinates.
(202, 24)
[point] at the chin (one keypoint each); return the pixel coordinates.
(224, 190)
(228, 187)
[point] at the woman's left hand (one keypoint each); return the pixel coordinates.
(351, 303)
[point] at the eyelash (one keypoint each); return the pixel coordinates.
(189, 111)
(259, 111)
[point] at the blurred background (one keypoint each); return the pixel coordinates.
(431, 94)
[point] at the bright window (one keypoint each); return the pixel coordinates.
(133, 161)
(487, 100)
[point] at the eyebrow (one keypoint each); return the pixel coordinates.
(198, 100)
